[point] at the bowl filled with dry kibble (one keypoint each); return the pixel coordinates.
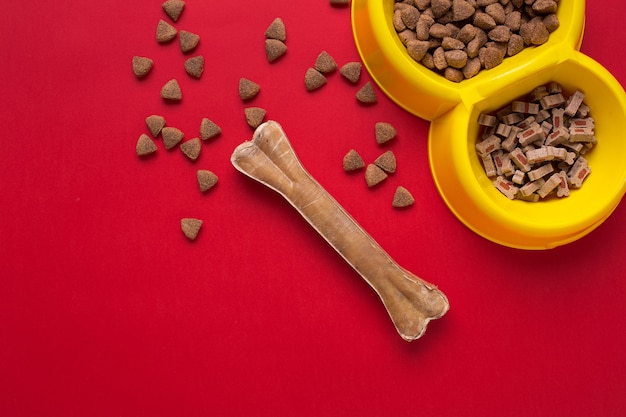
(526, 143)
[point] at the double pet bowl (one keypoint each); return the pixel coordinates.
(453, 110)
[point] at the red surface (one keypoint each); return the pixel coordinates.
(107, 310)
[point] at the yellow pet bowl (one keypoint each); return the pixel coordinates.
(453, 109)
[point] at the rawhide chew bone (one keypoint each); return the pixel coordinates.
(410, 301)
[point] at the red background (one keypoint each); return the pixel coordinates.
(107, 310)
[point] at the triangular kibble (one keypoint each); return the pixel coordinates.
(352, 161)
(248, 89)
(367, 94)
(194, 66)
(255, 116)
(374, 175)
(384, 132)
(188, 41)
(206, 179)
(274, 49)
(191, 148)
(142, 66)
(145, 145)
(173, 8)
(402, 198)
(276, 30)
(325, 63)
(171, 91)
(171, 136)
(190, 227)
(351, 71)
(386, 162)
(165, 32)
(313, 79)
(155, 123)
(208, 129)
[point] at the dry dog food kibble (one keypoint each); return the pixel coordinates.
(325, 63)
(275, 37)
(165, 32)
(171, 91)
(352, 161)
(384, 132)
(402, 198)
(367, 94)
(142, 66)
(374, 175)
(351, 71)
(459, 38)
(171, 136)
(191, 148)
(145, 145)
(194, 66)
(155, 123)
(313, 79)
(248, 89)
(533, 148)
(276, 30)
(206, 179)
(190, 227)
(209, 129)
(254, 116)
(173, 8)
(188, 41)
(386, 162)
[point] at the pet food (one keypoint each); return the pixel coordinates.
(276, 30)
(191, 148)
(386, 162)
(155, 123)
(190, 227)
(248, 89)
(254, 116)
(206, 179)
(188, 41)
(367, 94)
(171, 136)
(384, 132)
(325, 63)
(402, 198)
(145, 145)
(173, 8)
(352, 161)
(374, 175)
(165, 32)
(194, 66)
(209, 129)
(274, 49)
(142, 66)
(351, 71)
(313, 79)
(171, 91)
(533, 147)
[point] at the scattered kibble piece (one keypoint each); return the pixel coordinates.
(254, 116)
(192, 148)
(165, 32)
(145, 145)
(142, 66)
(402, 198)
(248, 89)
(352, 161)
(274, 49)
(374, 175)
(209, 129)
(190, 227)
(325, 63)
(386, 162)
(206, 179)
(188, 41)
(173, 8)
(171, 91)
(384, 132)
(313, 79)
(533, 147)
(276, 30)
(194, 66)
(367, 94)
(351, 71)
(155, 123)
(171, 136)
